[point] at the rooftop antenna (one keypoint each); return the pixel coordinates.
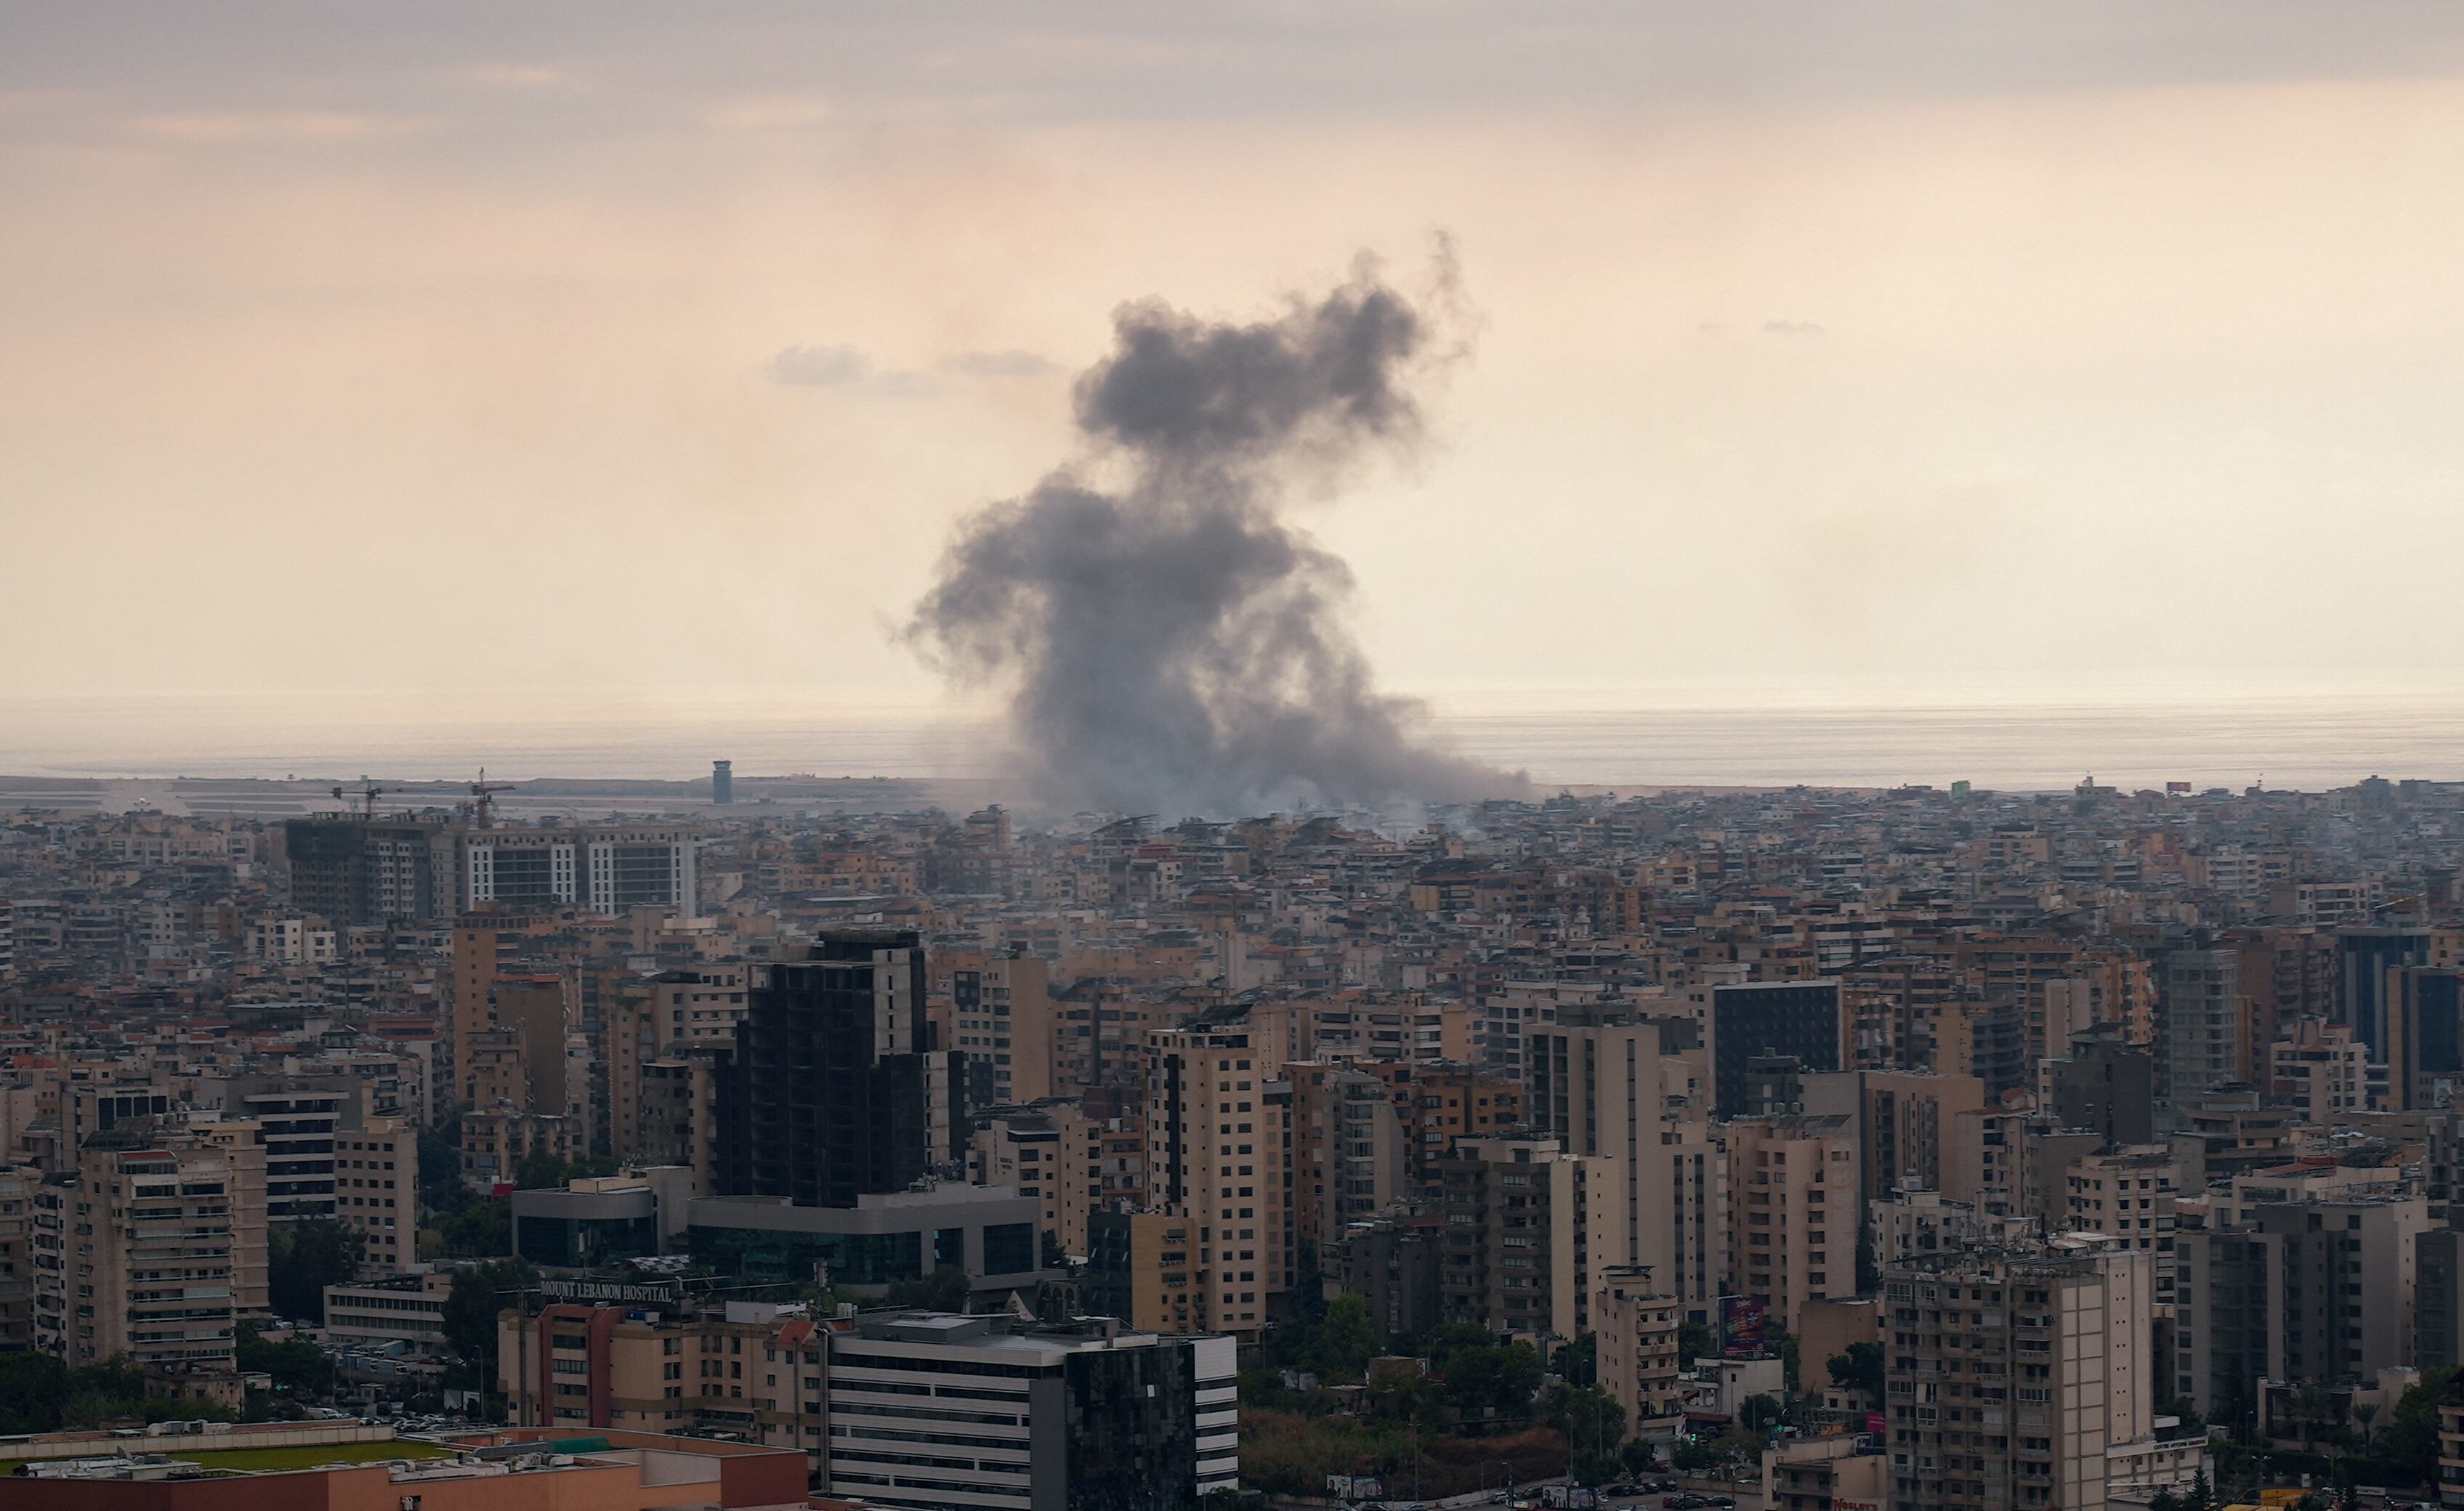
(483, 794)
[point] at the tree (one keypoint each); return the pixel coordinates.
(1760, 1413)
(1593, 1425)
(440, 1168)
(483, 1230)
(298, 1367)
(471, 1306)
(1860, 1368)
(301, 1258)
(539, 1171)
(1694, 1341)
(1578, 1363)
(1491, 1381)
(2411, 1436)
(1345, 1341)
(31, 1386)
(945, 1290)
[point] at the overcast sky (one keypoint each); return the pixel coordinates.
(1829, 351)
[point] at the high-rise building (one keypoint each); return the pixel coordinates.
(2424, 1042)
(1600, 1081)
(2106, 1083)
(1523, 1224)
(2320, 1290)
(1218, 1151)
(600, 868)
(2204, 1037)
(134, 1259)
(831, 1091)
(1002, 1023)
(2012, 1377)
(354, 869)
(1902, 1121)
(1793, 1212)
(1348, 1147)
(722, 782)
(2364, 957)
(1753, 1018)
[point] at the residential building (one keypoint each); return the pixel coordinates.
(1634, 1324)
(1218, 1148)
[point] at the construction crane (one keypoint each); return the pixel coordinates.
(483, 794)
(368, 792)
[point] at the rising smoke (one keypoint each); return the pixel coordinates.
(1173, 644)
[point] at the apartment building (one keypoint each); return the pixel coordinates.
(2010, 1376)
(1348, 1147)
(1634, 1325)
(1793, 1212)
(1523, 1223)
(1002, 1023)
(2317, 1289)
(1219, 1129)
(1142, 1268)
(133, 1260)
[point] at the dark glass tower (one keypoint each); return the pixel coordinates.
(828, 1097)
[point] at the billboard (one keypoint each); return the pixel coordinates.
(1741, 1326)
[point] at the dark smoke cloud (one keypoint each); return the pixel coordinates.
(1175, 645)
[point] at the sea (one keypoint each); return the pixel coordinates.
(2308, 742)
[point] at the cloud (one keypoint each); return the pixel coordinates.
(1792, 328)
(522, 77)
(844, 368)
(820, 366)
(1010, 364)
(223, 127)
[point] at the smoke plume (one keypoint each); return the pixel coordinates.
(1173, 643)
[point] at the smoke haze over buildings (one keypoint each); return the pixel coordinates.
(1173, 642)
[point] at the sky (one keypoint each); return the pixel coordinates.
(1893, 352)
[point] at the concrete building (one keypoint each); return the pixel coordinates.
(606, 870)
(1142, 1268)
(1002, 1023)
(1050, 1419)
(1603, 1083)
(832, 1093)
(1394, 1265)
(404, 1306)
(1523, 1225)
(1217, 1153)
(133, 1260)
(1348, 1147)
(2203, 1024)
(2011, 1376)
(2130, 1193)
(2107, 1084)
(1635, 1326)
(2319, 1290)
(1914, 1224)
(2323, 1074)
(1793, 1212)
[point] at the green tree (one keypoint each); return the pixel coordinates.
(1345, 1341)
(2411, 1436)
(1760, 1413)
(1694, 1341)
(31, 1387)
(482, 1291)
(297, 1367)
(483, 1230)
(539, 1171)
(1593, 1425)
(301, 1258)
(1578, 1363)
(1860, 1368)
(1493, 1382)
(440, 1168)
(945, 1290)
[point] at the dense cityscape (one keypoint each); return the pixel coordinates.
(1913, 1148)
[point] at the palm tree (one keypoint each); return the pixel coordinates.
(2365, 1412)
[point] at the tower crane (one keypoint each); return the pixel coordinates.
(368, 792)
(483, 794)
